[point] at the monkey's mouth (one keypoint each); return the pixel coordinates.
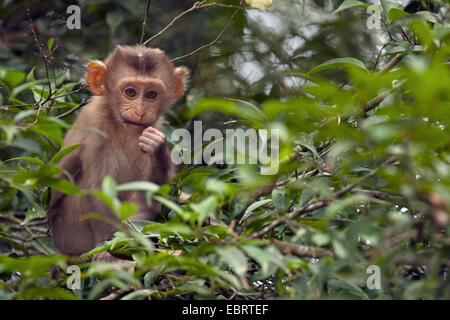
(135, 126)
(143, 125)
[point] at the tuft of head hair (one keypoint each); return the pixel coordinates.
(138, 61)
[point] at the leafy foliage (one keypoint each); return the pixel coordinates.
(364, 174)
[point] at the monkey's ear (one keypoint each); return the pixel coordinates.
(179, 81)
(95, 77)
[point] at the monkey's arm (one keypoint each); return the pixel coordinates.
(154, 142)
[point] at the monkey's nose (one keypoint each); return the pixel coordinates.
(139, 111)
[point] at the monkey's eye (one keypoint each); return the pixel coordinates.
(151, 94)
(130, 92)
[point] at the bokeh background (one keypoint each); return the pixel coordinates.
(364, 176)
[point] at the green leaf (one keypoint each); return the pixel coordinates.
(50, 293)
(111, 202)
(234, 258)
(140, 294)
(422, 31)
(169, 228)
(35, 212)
(23, 87)
(253, 207)
(28, 159)
(280, 200)
(27, 144)
(24, 114)
(396, 13)
(50, 44)
(170, 204)
(34, 266)
(44, 177)
(321, 239)
(319, 224)
(252, 107)
(206, 208)
(347, 4)
(127, 209)
(339, 62)
(227, 106)
(109, 187)
(45, 198)
(63, 152)
(138, 185)
(10, 131)
(16, 245)
(14, 77)
(40, 93)
(64, 186)
(30, 75)
(264, 257)
(392, 9)
(66, 88)
(49, 129)
(340, 249)
(350, 287)
(428, 16)
(61, 78)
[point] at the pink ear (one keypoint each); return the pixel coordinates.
(95, 77)
(179, 81)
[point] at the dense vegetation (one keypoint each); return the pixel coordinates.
(364, 175)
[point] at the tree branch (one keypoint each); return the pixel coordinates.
(82, 104)
(312, 206)
(212, 42)
(391, 63)
(375, 102)
(145, 21)
(301, 250)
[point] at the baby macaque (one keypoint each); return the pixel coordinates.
(133, 88)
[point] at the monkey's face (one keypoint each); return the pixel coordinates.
(142, 101)
(137, 84)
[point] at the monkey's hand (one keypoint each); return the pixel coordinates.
(151, 140)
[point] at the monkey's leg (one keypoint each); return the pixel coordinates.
(71, 235)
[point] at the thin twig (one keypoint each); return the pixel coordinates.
(375, 194)
(406, 36)
(84, 86)
(212, 42)
(82, 104)
(197, 5)
(312, 206)
(194, 7)
(387, 29)
(41, 52)
(378, 57)
(392, 63)
(375, 102)
(302, 250)
(145, 21)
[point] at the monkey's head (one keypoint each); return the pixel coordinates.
(137, 83)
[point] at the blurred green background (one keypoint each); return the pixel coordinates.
(364, 175)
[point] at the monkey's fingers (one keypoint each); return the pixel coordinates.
(153, 131)
(150, 143)
(154, 137)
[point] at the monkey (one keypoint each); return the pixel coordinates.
(132, 89)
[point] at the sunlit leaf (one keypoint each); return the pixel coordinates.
(259, 4)
(339, 62)
(347, 4)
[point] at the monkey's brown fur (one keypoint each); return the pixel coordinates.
(134, 149)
